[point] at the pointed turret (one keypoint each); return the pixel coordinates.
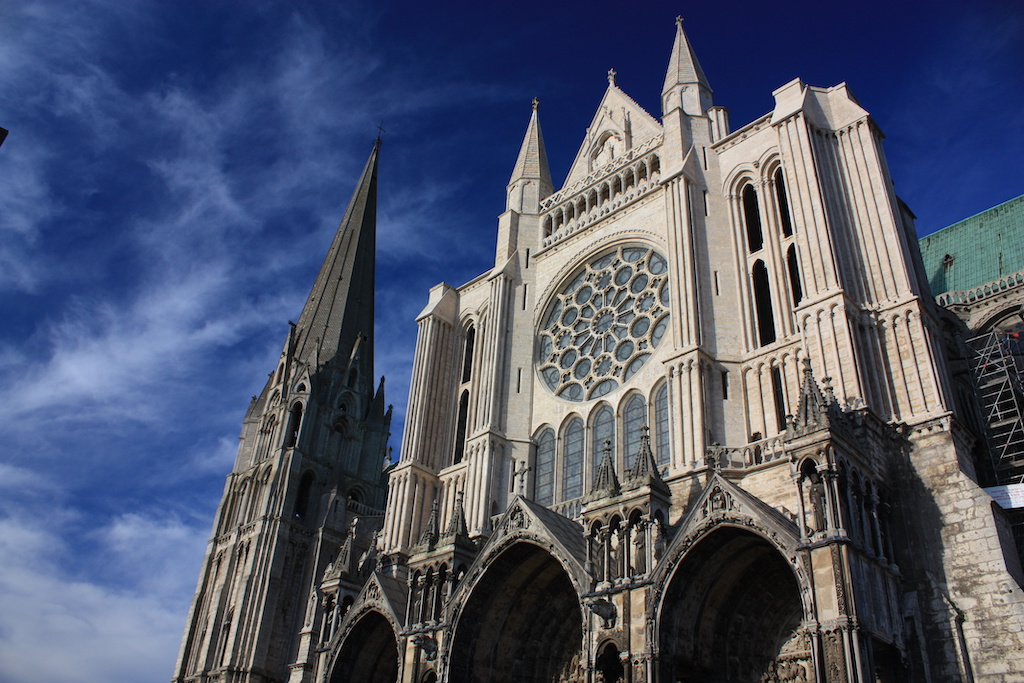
(531, 177)
(340, 306)
(457, 526)
(686, 86)
(645, 469)
(606, 484)
(431, 533)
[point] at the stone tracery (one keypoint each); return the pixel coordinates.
(603, 324)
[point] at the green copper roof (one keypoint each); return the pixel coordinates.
(976, 250)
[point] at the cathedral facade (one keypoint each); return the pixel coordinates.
(699, 422)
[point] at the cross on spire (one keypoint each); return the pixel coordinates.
(536, 103)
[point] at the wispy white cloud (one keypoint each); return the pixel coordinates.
(57, 627)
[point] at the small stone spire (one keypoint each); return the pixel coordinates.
(531, 177)
(430, 534)
(457, 526)
(683, 71)
(812, 409)
(645, 469)
(606, 484)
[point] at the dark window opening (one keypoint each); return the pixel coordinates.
(780, 194)
(294, 420)
(763, 304)
(794, 275)
(467, 359)
(752, 218)
(460, 428)
(303, 496)
(780, 398)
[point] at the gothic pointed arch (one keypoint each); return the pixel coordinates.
(732, 600)
(365, 646)
(521, 619)
(369, 653)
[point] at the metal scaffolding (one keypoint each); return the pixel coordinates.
(996, 364)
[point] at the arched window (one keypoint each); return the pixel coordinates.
(633, 429)
(752, 219)
(572, 460)
(780, 398)
(294, 420)
(467, 358)
(780, 195)
(662, 452)
(460, 428)
(763, 304)
(303, 496)
(544, 484)
(603, 430)
(266, 438)
(794, 275)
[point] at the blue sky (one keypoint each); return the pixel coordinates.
(175, 171)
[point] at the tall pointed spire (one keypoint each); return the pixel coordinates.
(531, 177)
(683, 71)
(340, 306)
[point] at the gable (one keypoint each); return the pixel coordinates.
(619, 125)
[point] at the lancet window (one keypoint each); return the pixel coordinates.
(752, 219)
(793, 268)
(572, 460)
(544, 484)
(785, 220)
(633, 425)
(763, 304)
(460, 427)
(294, 421)
(467, 358)
(603, 431)
(662, 439)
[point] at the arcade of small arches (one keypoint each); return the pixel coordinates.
(604, 197)
(430, 588)
(568, 458)
(622, 547)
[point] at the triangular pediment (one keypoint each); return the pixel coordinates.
(527, 520)
(619, 125)
(723, 502)
(385, 594)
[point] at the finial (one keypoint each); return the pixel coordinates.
(679, 21)
(611, 76)
(536, 103)
(380, 132)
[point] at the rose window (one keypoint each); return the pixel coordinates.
(602, 326)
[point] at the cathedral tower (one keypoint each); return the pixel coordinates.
(307, 481)
(694, 423)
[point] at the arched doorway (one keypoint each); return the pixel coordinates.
(369, 653)
(609, 664)
(732, 612)
(522, 622)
